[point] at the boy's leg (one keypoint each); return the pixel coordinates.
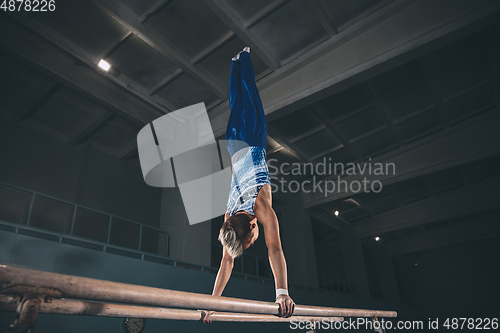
(235, 107)
(235, 86)
(252, 104)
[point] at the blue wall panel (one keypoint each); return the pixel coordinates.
(56, 257)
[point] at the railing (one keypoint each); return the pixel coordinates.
(21, 222)
(327, 282)
(105, 229)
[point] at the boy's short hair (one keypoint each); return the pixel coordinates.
(233, 231)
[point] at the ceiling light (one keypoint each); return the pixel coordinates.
(104, 65)
(377, 238)
(336, 213)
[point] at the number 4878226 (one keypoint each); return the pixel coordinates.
(28, 5)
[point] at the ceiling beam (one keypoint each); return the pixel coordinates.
(44, 129)
(320, 114)
(277, 148)
(307, 134)
(319, 12)
(155, 8)
(377, 103)
(263, 13)
(369, 133)
(398, 199)
(343, 61)
(86, 129)
(128, 19)
(326, 152)
(467, 90)
(91, 60)
(35, 100)
(128, 151)
(362, 204)
(43, 87)
(283, 141)
(233, 22)
(12, 66)
(56, 63)
(114, 45)
(369, 11)
(98, 116)
(168, 79)
(478, 138)
(434, 89)
(477, 197)
(212, 47)
(477, 228)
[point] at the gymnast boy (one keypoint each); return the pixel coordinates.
(250, 197)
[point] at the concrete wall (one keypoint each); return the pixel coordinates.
(84, 176)
(387, 277)
(190, 243)
(298, 243)
(354, 263)
(454, 281)
(51, 256)
(329, 261)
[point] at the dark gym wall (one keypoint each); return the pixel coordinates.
(52, 256)
(457, 280)
(76, 174)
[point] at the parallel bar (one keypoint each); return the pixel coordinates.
(13, 280)
(71, 307)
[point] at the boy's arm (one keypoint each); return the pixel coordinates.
(226, 266)
(225, 269)
(266, 216)
(223, 275)
(274, 250)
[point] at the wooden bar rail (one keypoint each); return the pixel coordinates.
(21, 281)
(71, 307)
